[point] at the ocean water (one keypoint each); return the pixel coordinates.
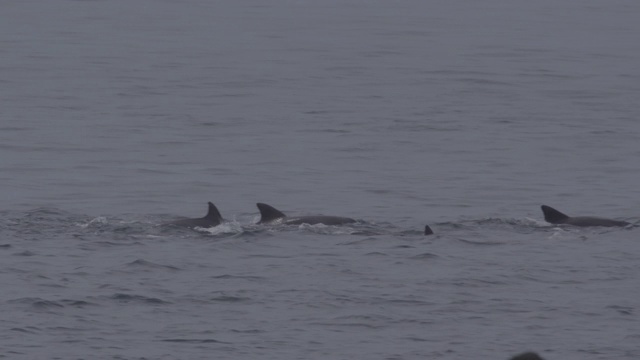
(118, 116)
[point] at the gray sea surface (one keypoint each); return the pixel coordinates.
(119, 116)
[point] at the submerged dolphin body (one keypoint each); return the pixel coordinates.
(213, 218)
(527, 356)
(271, 215)
(554, 216)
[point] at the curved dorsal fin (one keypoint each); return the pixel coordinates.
(268, 213)
(427, 230)
(552, 215)
(213, 214)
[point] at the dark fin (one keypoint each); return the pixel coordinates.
(553, 216)
(213, 214)
(527, 356)
(427, 230)
(268, 213)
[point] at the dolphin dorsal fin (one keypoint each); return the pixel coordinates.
(553, 216)
(427, 230)
(213, 213)
(268, 213)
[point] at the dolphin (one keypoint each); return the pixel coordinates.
(213, 218)
(427, 230)
(271, 215)
(554, 216)
(527, 356)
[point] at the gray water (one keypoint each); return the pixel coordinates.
(117, 116)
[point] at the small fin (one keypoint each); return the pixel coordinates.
(213, 214)
(268, 213)
(427, 230)
(553, 216)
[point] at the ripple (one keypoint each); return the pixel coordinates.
(480, 243)
(195, 341)
(141, 263)
(27, 330)
(37, 303)
(624, 310)
(229, 299)
(25, 253)
(77, 303)
(425, 256)
(376, 253)
(128, 298)
(250, 331)
(247, 277)
(269, 256)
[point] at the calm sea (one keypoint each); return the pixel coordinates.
(117, 116)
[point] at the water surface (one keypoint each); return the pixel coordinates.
(118, 116)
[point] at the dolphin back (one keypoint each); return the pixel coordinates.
(270, 214)
(554, 216)
(318, 219)
(595, 221)
(213, 218)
